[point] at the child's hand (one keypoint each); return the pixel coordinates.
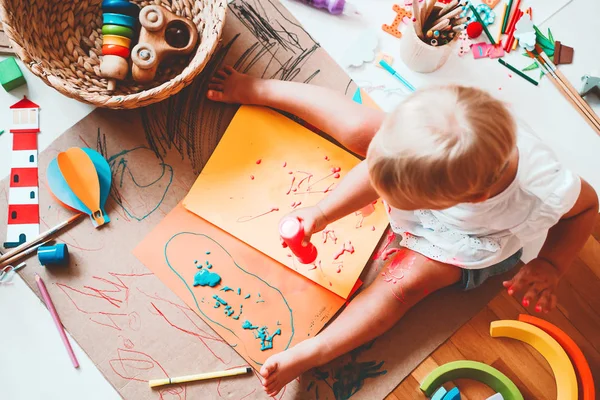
(539, 280)
(313, 221)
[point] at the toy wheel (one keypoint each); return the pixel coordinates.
(152, 18)
(143, 55)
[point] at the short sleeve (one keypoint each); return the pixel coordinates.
(554, 187)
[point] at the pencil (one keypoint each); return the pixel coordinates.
(485, 29)
(56, 318)
(42, 237)
(392, 71)
(418, 22)
(200, 377)
(500, 30)
(505, 18)
(516, 71)
(24, 253)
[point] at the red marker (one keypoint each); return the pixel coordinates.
(292, 233)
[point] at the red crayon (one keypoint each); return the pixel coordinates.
(292, 233)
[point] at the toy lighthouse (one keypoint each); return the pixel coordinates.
(23, 205)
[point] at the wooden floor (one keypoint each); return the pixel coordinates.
(578, 314)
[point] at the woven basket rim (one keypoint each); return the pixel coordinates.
(118, 101)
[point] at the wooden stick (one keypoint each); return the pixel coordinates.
(448, 16)
(448, 7)
(200, 377)
(418, 22)
(42, 237)
(499, 37)
(24, 253)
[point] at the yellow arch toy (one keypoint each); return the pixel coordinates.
(566, 381)
(471, 370)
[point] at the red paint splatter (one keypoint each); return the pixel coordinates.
(510, 75)
(329, 234)
(373, 228)
(326, 158)
(284, 164)
(389, 239)
(336, 175)
(389, 252)
(250, 218)
(252, 177)
(258, 161)
(346, 248)
(291, 184)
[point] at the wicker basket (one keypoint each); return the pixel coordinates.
(60, 41)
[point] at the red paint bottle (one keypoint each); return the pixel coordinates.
(292, 233)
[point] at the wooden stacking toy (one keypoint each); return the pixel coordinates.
(119, 19)
(163, 34)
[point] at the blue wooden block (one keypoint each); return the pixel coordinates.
(453, 394)
(11, 76)
(439, 394)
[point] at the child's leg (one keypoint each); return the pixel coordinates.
(407, 279)
(347, 122)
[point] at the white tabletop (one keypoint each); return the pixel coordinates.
(33, 361)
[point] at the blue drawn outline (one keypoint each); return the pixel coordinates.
(237, 265)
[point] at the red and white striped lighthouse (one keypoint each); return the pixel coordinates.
(23, 205)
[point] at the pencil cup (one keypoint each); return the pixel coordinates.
(420, 56)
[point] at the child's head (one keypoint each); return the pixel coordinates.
(442, 146)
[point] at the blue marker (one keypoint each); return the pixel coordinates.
(392, 71)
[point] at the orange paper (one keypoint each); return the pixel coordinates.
(256, 288)
(265, 166)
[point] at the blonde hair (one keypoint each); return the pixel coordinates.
(442, 144)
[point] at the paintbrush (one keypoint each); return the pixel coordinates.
(24, 253)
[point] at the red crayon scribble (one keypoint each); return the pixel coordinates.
(291, 184)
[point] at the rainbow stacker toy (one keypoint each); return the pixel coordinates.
(119, 20)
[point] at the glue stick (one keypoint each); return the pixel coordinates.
(334, 7)
(292, 233)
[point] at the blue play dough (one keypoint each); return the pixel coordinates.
(206, 278)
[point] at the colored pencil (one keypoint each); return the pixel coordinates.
(392, 71)
(511, 31)
(417, 15)
(448, 7)
(450, 15)
(514, 17)
(516, 71)
(499, 37)
(200, 377)
(441, 25)
(56, 318)
(485, 29)
(42, 237)
(505, 19)
(24, 253)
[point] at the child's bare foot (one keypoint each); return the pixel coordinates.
(280, 369)
(229, 86)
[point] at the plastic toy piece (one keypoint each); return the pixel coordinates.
(53, 255)
(292, 233)
(11, 76)
(562, 54)
(392, 29)
(439, 394)
(163, 34)
(471, 370)
(590, 84)
(566, 381)
(453, 394)
(119, 20)
(487, 15)
(573, 351)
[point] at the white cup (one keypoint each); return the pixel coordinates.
(420, 56)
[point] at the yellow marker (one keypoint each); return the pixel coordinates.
(115, 39)
(199, 377)
(566, 380)
(500, 23)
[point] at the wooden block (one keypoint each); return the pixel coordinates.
(562, 54)
(393, 28)
(11, 76)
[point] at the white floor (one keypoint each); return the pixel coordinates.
(33, 363)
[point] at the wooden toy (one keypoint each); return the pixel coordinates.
(439, 394)
(392, 29)
(562, 54)
(566, 381)
(119, 20)
(471, 370)
(453, 394)
(590, 84)
(11, 76)
(163, 34)
(573, 351)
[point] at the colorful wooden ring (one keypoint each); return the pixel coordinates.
(120, 7)
(117, 30)
(118, 19)
(453, 394)
(118, 40)
(115, 50)
(486, 13)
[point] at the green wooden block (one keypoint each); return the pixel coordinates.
(11, 76)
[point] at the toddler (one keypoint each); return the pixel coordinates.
(464, 187)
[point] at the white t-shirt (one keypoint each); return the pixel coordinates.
(478, 235)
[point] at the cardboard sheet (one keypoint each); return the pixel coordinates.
(267, 165)
(127, 320)
(253, 291)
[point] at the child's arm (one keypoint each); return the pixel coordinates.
(564, 241)
(349, 123)
(353, 193)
